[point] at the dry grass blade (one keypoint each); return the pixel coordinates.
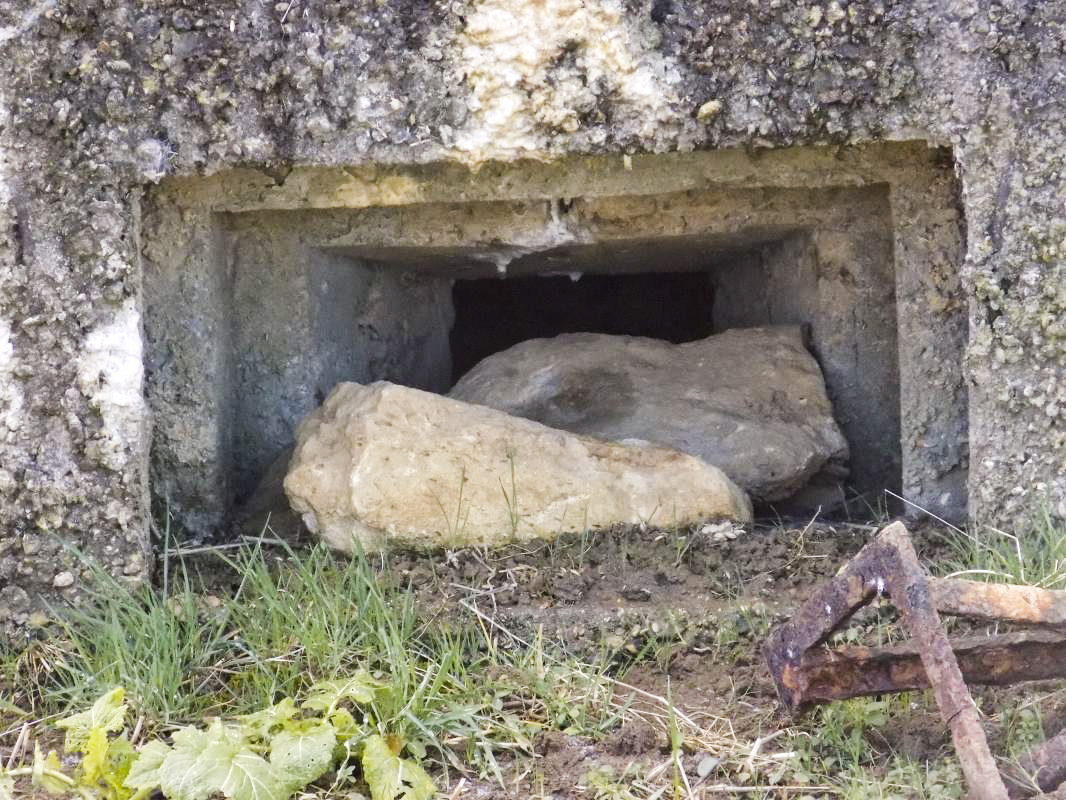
(19, 747)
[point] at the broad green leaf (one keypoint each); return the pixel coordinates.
(95, 760)
(303, 754)
(360, 687)
(189, 769)
(251, 777)
(120, 755)
(7, 787)
(391, 777)
(144, 772)
(39, 774)
(263, 723)
(202, 763)
(344, 725)
(108, 714)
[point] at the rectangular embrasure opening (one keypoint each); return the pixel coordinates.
(492, 315)
(283, 305)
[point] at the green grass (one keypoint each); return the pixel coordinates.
(1035, 554)
(468, 695)
(459, 696)
(152, 643)
(842, 745)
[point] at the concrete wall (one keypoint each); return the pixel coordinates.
(101, 98)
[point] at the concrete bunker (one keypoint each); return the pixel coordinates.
(265, 291)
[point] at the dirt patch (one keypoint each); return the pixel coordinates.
(592, 589)
(683, 614)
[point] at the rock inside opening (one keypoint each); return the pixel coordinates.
(261, 298)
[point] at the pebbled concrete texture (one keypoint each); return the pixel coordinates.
(102, 98)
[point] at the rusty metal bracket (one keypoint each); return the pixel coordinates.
(806, 673)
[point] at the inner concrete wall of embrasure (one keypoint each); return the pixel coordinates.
(305, 319)
(842, 284)
(292, 300)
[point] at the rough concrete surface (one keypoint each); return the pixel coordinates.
(102, 98)
(383, 466)
(751, 402)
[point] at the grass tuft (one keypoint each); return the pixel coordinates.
(456, 695)
(1035, 555)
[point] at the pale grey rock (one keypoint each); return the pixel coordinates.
(385, 464)
(63, 580)
(749, 401)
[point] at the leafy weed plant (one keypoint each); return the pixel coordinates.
(445, 692)
(268, 755)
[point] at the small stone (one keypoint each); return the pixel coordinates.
(38, 619)
(319, 126)
(709, 110)
(134, 567)
(255, 147)
(63, 580)
(151, 159)
(182, 20)
(721, 531)
(707, 765)
(712, 528)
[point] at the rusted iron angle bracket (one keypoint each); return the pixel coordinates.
(852, 671)
(806, 673)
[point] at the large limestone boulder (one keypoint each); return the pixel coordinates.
(385, 463)
(751, 401)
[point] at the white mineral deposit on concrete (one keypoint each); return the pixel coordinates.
(510, 48)
(11, 399)
(29, 18)
(110, 374)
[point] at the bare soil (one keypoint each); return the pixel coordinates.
(683, 613)
(678, 618)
